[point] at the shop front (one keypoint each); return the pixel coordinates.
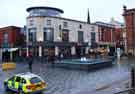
(81, 49)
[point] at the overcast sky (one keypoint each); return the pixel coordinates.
(13, 12)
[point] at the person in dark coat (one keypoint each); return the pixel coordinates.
(30, 62)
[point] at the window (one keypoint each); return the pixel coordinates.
(34, 80)
(6, 37)
(65, 35)
(102, 35)
(65, 24)
(18, 79)
(32, 34)
(31, 22)
(92, 28)
(48, 22)
(80, 36)
(12, 78)
(23, 81)
(59, 27)
(93, 36)
(48, 34)
(5, 40)
(80, 26)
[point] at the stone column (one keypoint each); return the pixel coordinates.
(40, 51)
(118, 53)
(11, 55)
(73, 52)
(27, 51)
(86, 50)
(56, 51)
(20, 52)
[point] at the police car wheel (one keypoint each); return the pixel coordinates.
(21, 92)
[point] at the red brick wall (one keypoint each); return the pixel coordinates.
(118, 36)
(13, 34)
(105, 34)
(129, 29)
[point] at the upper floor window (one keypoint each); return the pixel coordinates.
(48, 22)
(5, 37)
(59, 27)
(80, 36)
(65, 24)
(32, 34)
(93, 36)
(32, 30)
(48, 34)
(92, 28)
(31, 22)
(80, 26)
(65, 35)
(5, 40)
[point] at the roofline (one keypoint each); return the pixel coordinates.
(10, 27)
(104, 24)
(44, 7)
(64, 19)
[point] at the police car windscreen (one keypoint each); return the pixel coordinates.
(35, 80)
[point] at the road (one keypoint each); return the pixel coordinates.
(67, 81)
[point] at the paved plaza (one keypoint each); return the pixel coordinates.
(68, 81)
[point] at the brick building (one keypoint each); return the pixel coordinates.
(11, 37)
(119, 34)
(106, 34)
(129, 17)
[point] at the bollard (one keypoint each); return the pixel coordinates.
(132, 80)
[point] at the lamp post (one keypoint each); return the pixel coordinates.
(27, 49)
(124, 39)
(11, 52)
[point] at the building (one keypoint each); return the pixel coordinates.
(49, 34)
(119, 34)
(129, 18)
(11, 38)
(106, 34)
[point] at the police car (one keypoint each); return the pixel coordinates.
(25, 83)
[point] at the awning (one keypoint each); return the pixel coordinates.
(9, 49)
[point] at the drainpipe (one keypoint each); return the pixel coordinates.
(133, 32)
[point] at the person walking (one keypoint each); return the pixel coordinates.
(30, 62)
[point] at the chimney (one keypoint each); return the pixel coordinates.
(124, 7)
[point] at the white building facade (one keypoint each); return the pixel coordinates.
(49, 34)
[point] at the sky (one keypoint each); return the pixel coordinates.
(13, 12)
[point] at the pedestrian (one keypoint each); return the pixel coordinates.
(30, 62)
(52, 60)
(60, 56)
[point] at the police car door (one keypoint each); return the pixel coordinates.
(17, 81)
(22, 85)
(11, 82)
